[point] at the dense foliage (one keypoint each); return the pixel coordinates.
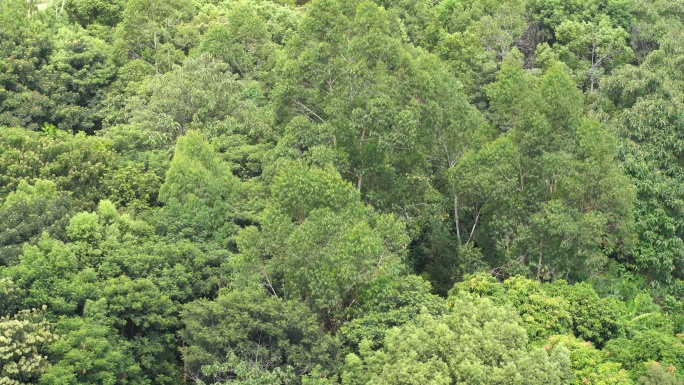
(351, 192)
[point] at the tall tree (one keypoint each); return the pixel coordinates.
(199, 193)
(646, 109)
(370, 95)
(319, 243)
(547, 194)
(148, 28)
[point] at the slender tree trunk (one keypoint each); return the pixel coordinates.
(595, 63)
(457, 219)
(539, 262)
(156, 65)
(363, 139)
(477, 218)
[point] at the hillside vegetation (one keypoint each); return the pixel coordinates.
(271, 192)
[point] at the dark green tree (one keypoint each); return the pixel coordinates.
(199, 193)
(255, 328)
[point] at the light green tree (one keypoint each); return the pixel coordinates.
(589, 364)
(24, 338)
(475, 342)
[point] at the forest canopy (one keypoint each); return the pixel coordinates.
(354, 192)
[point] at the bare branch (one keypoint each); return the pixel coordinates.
(302, 105)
